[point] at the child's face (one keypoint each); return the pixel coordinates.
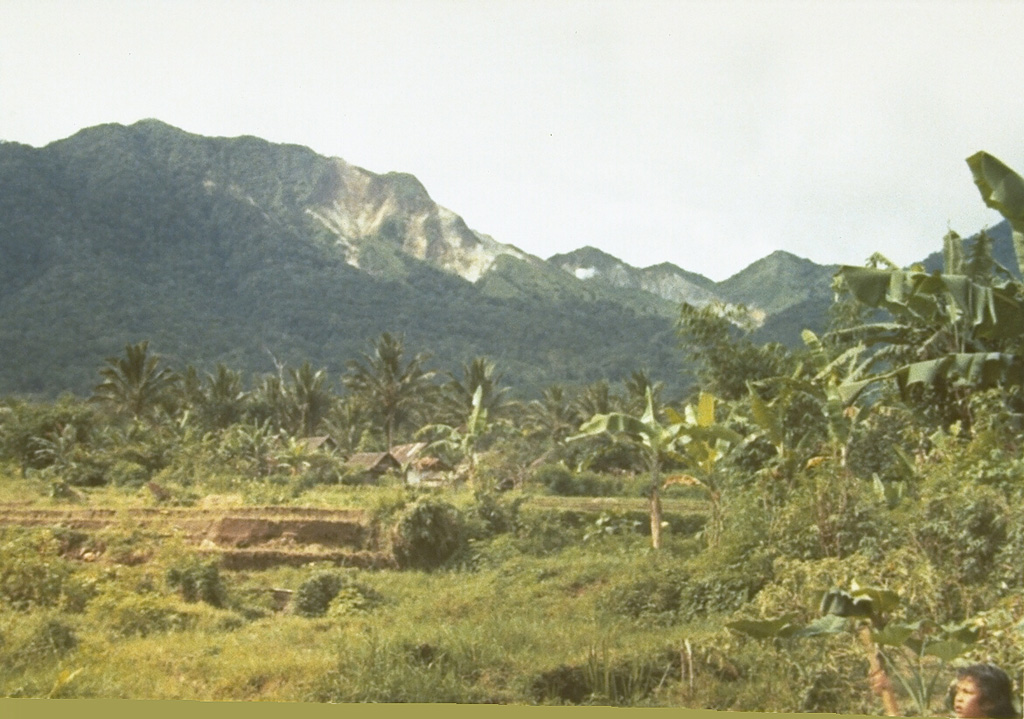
(967, 700)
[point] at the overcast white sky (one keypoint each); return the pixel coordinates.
(703, 134)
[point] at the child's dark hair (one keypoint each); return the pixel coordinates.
(995, 688)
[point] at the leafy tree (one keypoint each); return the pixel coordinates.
(716, 338)
(134, 384)
(393, 390)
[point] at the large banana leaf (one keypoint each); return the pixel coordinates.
(765, 628)
(767, 418)
(1002, 189)
(979, 369)
(976, 369)
(613, 423)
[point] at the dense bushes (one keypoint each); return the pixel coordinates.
(198, 581)
(132, 614)
(653, 595)
(315, 594)
(33, 574)
(559, 480)
(332, 593)
(428, 533)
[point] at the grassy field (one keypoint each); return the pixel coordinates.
(520, 616)
(543, 600)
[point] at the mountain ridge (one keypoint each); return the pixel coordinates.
(235, 249)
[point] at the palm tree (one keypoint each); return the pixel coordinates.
(393, 391)
(223, 398)
(348, 424)
(311, 398)
(552, 415)
(636, 386)
(459, 394)
(135, 383)
(270, 403)
(596, 398)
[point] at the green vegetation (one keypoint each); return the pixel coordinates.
(204, 247)
(760, 544)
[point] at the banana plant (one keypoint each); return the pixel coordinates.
(916, 653)
(462, 440)
(692, 439)
(820, 379)
(703, 442)
(954, 328)
(1002, 189)
(653, 439)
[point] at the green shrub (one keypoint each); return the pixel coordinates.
(353, 599)
(87, 472)
(558, 480)
(616, 523)
(498, 514)
(655, 597)
(50, 639)
(128, 614)
(32, 573)
(962, 528)
(605, 678)
(832, 514)
(428, 533)
(332, 593)
(314, 596)
(124, 473)
(198, 581)
(545, 531)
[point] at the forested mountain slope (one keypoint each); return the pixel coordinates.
(237, 250)
(243, 251)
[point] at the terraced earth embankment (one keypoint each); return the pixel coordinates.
(242, 537)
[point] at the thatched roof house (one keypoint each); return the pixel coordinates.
(375, 463)
(404, 458)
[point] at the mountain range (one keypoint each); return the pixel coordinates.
(250, 253)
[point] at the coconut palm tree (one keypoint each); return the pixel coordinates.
(134, 384)
(459, 393)
(311, 398)
(394, 391)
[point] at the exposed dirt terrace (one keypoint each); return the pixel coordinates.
(243, 537)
